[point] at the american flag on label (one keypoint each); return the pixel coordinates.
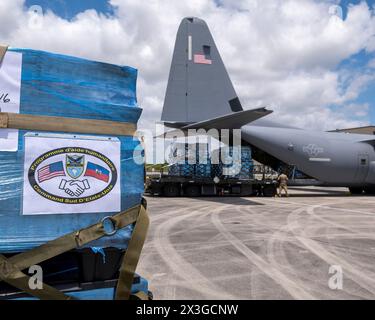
(201, 59)
(50, 171)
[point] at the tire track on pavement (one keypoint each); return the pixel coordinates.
(178, 265)
(285, 282)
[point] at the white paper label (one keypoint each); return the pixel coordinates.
(71, 175)
(10, 95)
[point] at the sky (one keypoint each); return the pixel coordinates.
(311, 61)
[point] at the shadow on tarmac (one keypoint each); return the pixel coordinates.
(323, 191)
(232, 200)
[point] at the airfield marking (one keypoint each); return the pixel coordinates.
(289, 285)
(179, 265)
(285, 241)
(331, 259)
(325, 206)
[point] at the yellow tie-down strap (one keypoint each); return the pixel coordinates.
(11, 268)
(63, 124)
(3, 50)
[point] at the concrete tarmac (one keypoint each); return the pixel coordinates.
(262, 248)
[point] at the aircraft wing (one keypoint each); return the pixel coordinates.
(369, 141)
(230, 121)
(175, 125)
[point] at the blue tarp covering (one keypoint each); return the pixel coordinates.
(101, 294)
(58, 85)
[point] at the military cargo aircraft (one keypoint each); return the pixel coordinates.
(200, 94)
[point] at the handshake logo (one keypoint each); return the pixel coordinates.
(74, 188)
(72, 178)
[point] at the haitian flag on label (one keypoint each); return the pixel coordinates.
(96, 171)
(71, 174)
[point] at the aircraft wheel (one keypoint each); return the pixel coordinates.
(246, 191)
(171, 190)
(155, 190)
(193, 191)
(356, 190)
(269, 191)
(370, 190)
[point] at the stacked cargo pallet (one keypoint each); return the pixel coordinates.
(235, 163)
(178, 164)
(68, 167)
(195, 160)
(189, 160)
(203, 164)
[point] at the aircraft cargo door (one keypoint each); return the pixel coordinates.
(363, 167)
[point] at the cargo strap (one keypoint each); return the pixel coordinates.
(11, 268)
(3, 50)
(62, 124)
(140, 296)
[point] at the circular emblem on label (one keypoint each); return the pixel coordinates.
(72, 175)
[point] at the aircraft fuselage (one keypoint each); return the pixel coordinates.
(337, 159)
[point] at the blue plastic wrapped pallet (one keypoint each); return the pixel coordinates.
(58, 85)
(203, 164)
(101, 293)
(178, 160)
(190, 160)
(235, 163)
(59, 182)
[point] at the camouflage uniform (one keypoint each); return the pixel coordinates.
(283, 180)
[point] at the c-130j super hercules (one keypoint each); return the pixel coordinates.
(200, 94)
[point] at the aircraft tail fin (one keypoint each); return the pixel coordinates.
(199, 87)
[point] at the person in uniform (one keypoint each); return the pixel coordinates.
(283, 184)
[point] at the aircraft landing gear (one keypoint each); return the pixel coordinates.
(356, 190)
(370, 190)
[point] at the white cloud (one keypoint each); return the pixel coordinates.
(371, 64)
(279, 53)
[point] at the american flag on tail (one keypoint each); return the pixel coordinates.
(201, 59)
